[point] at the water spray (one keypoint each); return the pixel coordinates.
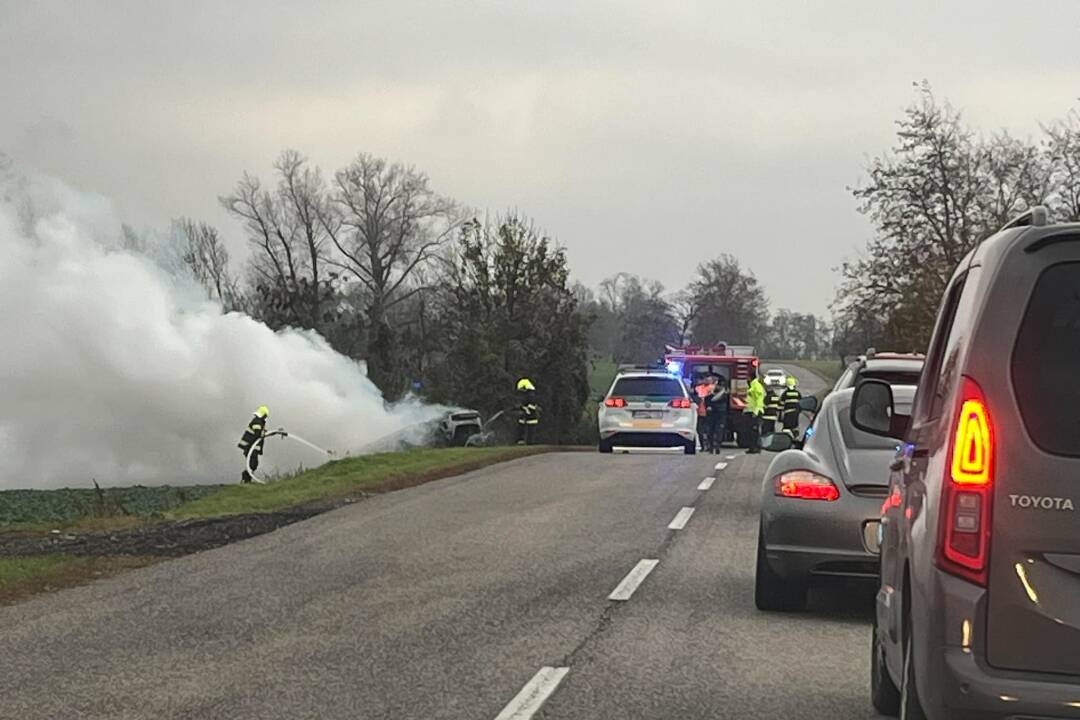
(280, 432)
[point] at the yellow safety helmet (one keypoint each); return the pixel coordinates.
(792, 381)
(263, 411)
(525, 384)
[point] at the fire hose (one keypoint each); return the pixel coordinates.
(280, 432)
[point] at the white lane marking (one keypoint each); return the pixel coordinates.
(706, 483)
(681, 518)
(729, 457)
(634, 578)
(720, 466)
(532, 696)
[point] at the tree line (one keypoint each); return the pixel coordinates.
(934, 196)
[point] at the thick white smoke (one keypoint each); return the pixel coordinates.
(111, 368)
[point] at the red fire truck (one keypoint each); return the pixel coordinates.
(736, 364)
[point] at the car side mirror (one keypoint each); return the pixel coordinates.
(809, 403)
(873, 410)
(777, 442)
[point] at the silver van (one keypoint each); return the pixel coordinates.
(978, 611)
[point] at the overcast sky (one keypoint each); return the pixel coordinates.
(645, 136)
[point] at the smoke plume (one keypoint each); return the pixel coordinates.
(115, 368)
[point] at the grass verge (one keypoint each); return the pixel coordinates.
(379, 472)
(21, 577)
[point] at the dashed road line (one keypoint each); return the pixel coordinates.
(706, 483)
(532, 696)
(720, 466)
(681, 518)
(634, 578)
(729, 457)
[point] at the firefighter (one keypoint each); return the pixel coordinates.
(790, 400)
(528, 412)
(717, 407)
(755, 406)
(771, 413)
(255, 432)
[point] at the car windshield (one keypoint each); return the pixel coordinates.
(647, 387)
(893, 377)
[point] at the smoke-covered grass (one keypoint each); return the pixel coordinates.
(115, 366)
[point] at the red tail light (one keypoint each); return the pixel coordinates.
(806, 485)
(615, 402)
(683, 403)
(968, 492)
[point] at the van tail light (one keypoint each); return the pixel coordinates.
(615, 402)
(806, 485)
(964, 547)
(683, 403)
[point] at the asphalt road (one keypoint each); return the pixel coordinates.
(447, 600)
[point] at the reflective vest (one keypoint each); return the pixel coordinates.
(755, 398)
(772, 406)
(790, 400)
(254, 433)
(529, 410)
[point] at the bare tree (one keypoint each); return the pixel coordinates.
(205, 255)
(1063, 150)
(386, 223)
(288, 227)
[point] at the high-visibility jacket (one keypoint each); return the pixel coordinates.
(253, 434)
(529, 411)
(755, 398)
(790, 400)
(772, 406)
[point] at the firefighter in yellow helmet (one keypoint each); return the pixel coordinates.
(790, 400)
(254, 434)
(528, 412)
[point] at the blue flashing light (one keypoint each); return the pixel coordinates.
(674, 367)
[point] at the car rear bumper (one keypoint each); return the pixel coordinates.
(973, 692)
(652, 439)
(956, 682)
(807, 537)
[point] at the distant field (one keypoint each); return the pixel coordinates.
(828, 369)
(601, 373)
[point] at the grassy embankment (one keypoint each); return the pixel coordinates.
(43, 512)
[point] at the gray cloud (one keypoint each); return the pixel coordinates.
(643, 135)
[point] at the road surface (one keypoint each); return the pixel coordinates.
(448, 600)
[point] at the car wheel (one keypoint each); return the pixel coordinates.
(883, 691)
(773, 593)
(604, 446)
(910, 707)
(691, 447)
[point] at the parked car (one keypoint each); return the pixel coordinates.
(647, 407)
(894, 368)
(775, 378)
(978, 612)
(821, 504)
(458, 426)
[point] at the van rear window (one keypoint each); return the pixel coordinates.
(1046, 361)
